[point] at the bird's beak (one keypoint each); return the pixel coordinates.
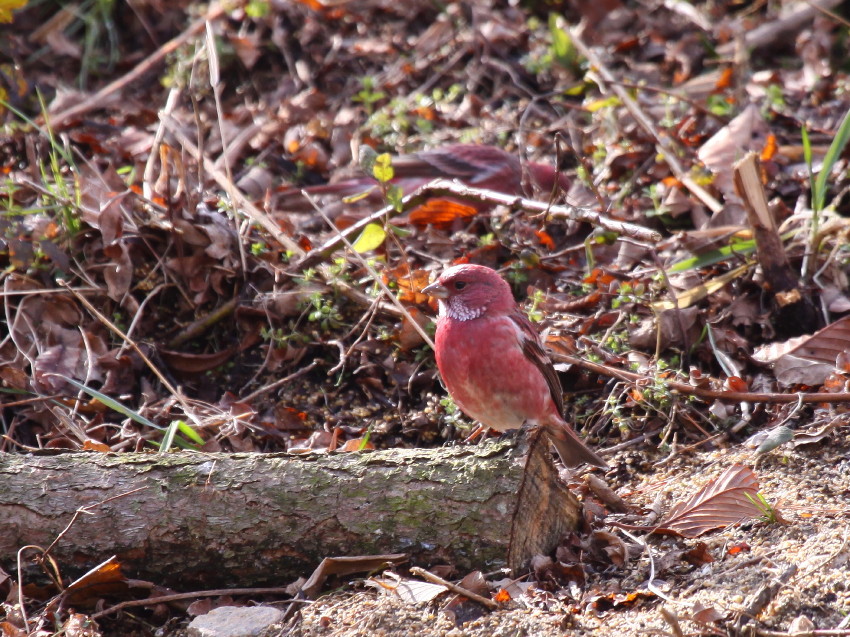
(436, 290)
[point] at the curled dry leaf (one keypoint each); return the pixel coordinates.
(808, 359)
(410, 591)
(347, 565)
(722, 502)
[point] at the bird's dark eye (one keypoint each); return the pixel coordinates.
(459, 285)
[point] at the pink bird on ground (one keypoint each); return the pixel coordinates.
(493, 364)
(486, 167)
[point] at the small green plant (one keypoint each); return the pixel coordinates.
(453, 415)
(629, 293)
(535, 314)
(257, 8)
(618, 342)
(337, 269)
(516, 275)
(819, 187)
(774, 99)
(769, 514)
(324, 312)
(367, 95)
(718, 105)
(307, 276)
(561, 50)
(658, 207)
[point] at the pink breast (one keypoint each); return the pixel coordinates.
(488, 376)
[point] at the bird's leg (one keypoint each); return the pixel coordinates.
(479, 430)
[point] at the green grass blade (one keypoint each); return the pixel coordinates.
(832, 155)
(714, 256)
(168, 438)
(190, 433)
(111, 403)
(807, 155)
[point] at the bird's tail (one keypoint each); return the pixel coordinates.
(570, 447)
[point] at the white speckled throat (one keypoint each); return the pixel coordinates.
(455, 308)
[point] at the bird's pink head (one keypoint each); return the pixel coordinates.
(471, 291)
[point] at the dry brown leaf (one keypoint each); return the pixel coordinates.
(410, 591)
(808, 359)
(748, 131)
(345, 566)
(196, 363)
(720, 503)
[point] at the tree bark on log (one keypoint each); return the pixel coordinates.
(196, 519)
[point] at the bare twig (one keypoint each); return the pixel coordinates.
(707, 394)
(240, 200)
(368, 266)
(213, 593)
(769, 32)
(113, 328)
(100, 98)
(87, 511)
(436, 579)
(664, 145)
(279, 383)
(448, 188)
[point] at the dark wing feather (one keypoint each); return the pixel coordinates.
(534, 352)
(470, 163)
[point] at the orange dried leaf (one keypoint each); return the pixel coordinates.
(600, 278)
(315, 5)
(545, 239)
(734, 383)
(741, 547)
(408, 336)
(356, 444)
(770, 148)
(440, 213)
(93, 445)
(425, 113)
(725, 80)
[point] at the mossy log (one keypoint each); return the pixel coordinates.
(197, 519)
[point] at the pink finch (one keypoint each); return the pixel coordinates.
(475, 165)
(491, 360)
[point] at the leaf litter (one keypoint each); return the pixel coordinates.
(133, 221)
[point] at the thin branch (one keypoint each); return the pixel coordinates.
(448, 188)
(436, 579)
(212, 593)
(700, 392)
(100, 98)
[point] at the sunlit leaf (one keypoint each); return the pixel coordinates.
(440, 213)
(383, 168)
(726, 500)
(373, 235)
(699, 292)
(7, 6)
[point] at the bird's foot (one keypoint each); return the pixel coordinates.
(476, 433)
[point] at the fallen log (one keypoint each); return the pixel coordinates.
(201, 520)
